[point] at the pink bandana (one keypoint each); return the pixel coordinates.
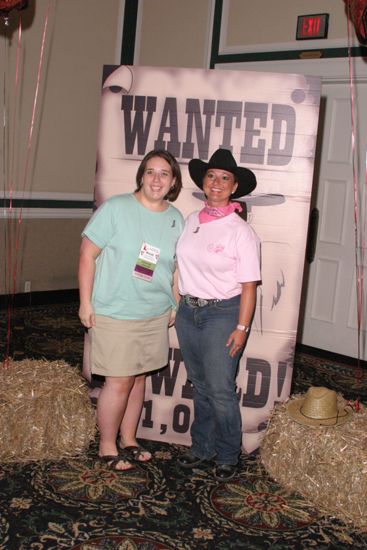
(209, 213)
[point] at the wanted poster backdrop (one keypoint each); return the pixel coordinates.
(269, 122)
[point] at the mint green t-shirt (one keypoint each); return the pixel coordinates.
(119, 227)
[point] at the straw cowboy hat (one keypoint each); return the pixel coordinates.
(319, 407)
(223, 158)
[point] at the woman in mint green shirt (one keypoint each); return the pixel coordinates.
(127, 298)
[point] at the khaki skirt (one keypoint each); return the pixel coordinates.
(128, 348)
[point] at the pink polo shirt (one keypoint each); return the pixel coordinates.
(214, 258)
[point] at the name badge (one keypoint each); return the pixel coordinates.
(147, 262)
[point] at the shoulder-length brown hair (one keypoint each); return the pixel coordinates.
(175, 167)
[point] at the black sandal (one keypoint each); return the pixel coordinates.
(113, 460)
(135, 453)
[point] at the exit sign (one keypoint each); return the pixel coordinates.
(312, 26)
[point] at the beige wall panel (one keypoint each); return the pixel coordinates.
(81, 37)
(174, 33)
(48, 253)
(268, 22)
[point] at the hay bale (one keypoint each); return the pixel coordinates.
(45, 412)
(326, 465)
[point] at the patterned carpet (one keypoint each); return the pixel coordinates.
(79, 504)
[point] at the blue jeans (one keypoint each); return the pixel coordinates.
(202, 333)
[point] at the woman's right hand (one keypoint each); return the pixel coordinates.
(172, 318)
(87, 315)
(87, 266)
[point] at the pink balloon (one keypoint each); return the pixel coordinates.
(6, 6)
(358, 16)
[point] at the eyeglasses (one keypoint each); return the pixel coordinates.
(161, 174)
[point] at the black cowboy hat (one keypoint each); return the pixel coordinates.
(222, 158)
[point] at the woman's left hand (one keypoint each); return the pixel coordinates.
(236, 341)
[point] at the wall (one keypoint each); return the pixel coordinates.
(246, 26)
(173, 33)
(61, 151)
(82, 36)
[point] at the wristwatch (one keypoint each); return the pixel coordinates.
(243, 328)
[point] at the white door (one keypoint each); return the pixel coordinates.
(329, 320)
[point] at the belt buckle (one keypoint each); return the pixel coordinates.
(191, 301)
(202, 302)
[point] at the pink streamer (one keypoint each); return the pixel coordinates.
(10, 192)
(14, 260)
(359, 234)
(26, 165)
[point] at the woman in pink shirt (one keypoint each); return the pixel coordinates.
(218, 257)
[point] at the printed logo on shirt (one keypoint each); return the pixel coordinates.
(215, 248)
